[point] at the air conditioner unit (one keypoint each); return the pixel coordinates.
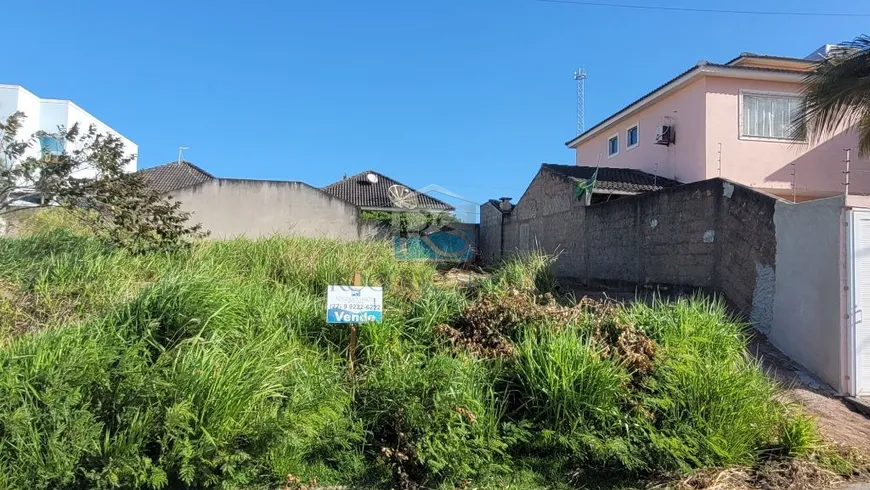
(665, 135)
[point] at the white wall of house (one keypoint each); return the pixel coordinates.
(14, 98)
(50, 114)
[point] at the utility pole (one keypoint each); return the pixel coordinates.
(793, 182)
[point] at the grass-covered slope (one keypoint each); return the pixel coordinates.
(215, 368)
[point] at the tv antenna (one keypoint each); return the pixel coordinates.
(181, 153)
(580, 77)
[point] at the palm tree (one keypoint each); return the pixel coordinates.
(836, 95)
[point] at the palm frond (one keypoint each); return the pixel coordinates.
(864, 134)
(836, 95)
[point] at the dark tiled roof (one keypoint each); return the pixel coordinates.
(174, 176)
(614, 179)
(358, 190)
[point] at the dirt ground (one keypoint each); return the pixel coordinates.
(837, 423)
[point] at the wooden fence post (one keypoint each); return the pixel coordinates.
(351, 350)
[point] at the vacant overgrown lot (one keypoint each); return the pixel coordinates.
(215, 368)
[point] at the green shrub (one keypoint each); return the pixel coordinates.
(528, 271)
(175, 387)
(214, 367)
(569, 388)
(701, 402)
(28, 222)
(432, 419)
(709, 403)
(49, 422)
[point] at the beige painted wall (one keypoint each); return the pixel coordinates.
(806, 311)
(230, 208)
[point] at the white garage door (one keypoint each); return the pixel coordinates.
(860, 271)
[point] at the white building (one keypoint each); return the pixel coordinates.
(50, 114)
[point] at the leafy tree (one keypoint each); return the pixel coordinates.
(837, 95)
(86, 175)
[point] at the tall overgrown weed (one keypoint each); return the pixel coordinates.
(214, 367)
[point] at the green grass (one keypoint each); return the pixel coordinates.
(215, 368)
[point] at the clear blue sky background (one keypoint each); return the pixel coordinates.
(472, 95)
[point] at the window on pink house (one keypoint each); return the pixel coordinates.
(631, 137)
(768, 116)
(613, 146)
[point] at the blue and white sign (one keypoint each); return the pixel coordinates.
(354, 304)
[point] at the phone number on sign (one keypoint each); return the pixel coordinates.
(354, 306)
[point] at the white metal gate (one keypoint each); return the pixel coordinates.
(859, 299)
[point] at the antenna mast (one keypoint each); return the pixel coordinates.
(181, 153)
(580, 77)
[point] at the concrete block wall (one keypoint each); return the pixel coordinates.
(746, 238)
(678, 232)
(550, 219)
(563, 232)
(666, 237)
(678, 229)
(612, 242)
(712, 234)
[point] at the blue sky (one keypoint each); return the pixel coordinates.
(471, 95)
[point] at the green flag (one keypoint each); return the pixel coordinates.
(586, 186)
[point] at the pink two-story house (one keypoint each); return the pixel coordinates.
(727, 120)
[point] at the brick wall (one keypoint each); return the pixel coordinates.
(711, 234)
